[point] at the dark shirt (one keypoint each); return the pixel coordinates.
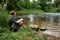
(13, 22)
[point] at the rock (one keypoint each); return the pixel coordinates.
(36, 27)
(33, 26)
(43, 29)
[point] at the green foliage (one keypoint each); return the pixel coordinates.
(0, 1)
(22, 34)
(0, 7)
(22, 4)
(44, 5)
(11, 4)
(57, 3)
(36, 5)
(48, 8)
(25, 11)
(26, 4)
(3, 18)
(58, 9)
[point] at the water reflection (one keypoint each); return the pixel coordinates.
(31, 18)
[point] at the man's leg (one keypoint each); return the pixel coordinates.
(20, 22)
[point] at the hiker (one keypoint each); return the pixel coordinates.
(13, 23)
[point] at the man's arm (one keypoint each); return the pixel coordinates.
(13, 21)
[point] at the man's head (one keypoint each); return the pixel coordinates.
(13, 14)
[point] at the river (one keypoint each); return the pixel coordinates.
(51, 21)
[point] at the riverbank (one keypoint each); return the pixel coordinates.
(22, 34)
(37, 11)
(29, 11)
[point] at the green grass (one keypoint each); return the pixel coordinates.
(21, 34)
(31, 11)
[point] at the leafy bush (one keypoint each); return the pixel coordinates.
(0, 7)
(3, 18)
(22, 34)
(48, 8)
(58, 9)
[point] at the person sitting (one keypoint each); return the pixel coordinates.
(13, 23)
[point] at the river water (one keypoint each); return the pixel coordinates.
(51, 21)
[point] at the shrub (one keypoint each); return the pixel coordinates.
(58, 9)
(3, 18)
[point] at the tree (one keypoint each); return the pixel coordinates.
(11, 4)
(35, 4)
(57, 3)
(43, 4)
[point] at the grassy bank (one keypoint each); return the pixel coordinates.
(21, 34)
(29, 11)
